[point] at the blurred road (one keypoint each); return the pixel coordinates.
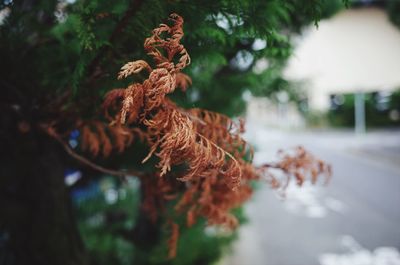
(354, 220)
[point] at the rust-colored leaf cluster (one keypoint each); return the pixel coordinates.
(100, 139)
(204, 165)
(296, 163)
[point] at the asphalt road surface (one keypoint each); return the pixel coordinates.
(355, 220)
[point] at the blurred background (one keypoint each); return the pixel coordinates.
(321, 74)
(349, 68)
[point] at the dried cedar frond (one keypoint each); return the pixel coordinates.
(133, 68)
(90, 141)
(183, 81)
(204, 165)
(173, 240)
(298, 164)
(132, 103)
(99, 137)
(104, 139)
(215, 162)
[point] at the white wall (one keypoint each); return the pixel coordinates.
(263, 111)
(358, 49)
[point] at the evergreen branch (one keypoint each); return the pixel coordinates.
(133, 7)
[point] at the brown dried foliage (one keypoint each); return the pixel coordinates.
(297, 164)
(100, 138)
(173, 240)
(212, 162)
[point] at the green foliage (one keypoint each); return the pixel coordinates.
(84, 51)
(393, 10)
(196, 245)
(104, 210)
(107, 213)
(378, 112)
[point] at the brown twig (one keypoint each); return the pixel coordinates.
(269, 165)
(123, 174)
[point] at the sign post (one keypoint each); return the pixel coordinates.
(359, 112)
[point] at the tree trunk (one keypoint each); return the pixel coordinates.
(37, 224)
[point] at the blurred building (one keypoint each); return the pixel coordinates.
(264, 111)
(357, 50)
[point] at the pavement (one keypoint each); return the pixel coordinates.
(355, 220)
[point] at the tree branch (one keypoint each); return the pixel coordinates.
(123, 174)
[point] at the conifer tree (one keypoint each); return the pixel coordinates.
(163, 122)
